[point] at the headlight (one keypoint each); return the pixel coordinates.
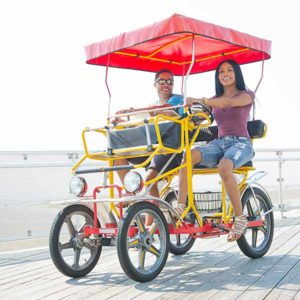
(133, 182)
(78, 186)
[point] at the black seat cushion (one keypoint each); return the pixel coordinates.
(256, 129)
(132, 137)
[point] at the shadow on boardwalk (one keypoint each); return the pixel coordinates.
(213, 269)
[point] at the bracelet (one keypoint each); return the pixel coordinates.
(205, 100)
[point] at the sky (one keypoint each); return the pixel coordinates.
(48, 94)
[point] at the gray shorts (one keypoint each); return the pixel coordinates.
(159, 161)
(238, 149)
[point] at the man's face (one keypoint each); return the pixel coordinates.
(164, 85)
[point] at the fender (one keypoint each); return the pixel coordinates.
(252, 182)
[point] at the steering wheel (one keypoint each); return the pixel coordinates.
(200, 107)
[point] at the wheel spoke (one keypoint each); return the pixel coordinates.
(142, 255)
(263, 229)
(70, 226)
(178, 240)
(76, 258)
(250, 209)
(140, 224)
(254, 237)
(154, 251)
(81, 227)
(154, 227)
(133, 243)
(89, 247)
(67, 245)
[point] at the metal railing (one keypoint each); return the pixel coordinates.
(62, 159)
(281, 159)
(279, 155)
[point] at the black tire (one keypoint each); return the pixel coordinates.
(72, 255)
(256, 241)
(179, 243)
(152, 243)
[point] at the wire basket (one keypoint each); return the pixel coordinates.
(208, 202)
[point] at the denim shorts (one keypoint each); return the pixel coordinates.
(238, 149)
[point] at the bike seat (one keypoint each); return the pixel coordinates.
(256, 129)
(247, 164)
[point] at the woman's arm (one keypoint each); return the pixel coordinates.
(222, 102)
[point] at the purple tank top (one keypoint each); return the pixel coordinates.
(233, 120)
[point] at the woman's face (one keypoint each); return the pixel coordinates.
(226, 74)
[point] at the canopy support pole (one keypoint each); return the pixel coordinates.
(189, 70)
(258, 84)
(107, 87)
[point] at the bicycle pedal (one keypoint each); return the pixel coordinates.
(220, 227)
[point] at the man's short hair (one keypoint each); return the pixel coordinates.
(162, 71)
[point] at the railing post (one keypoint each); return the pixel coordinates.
(280, 180)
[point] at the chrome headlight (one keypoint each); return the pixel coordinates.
(133, 182)
(78, 186)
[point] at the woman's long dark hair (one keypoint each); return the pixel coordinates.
(239, 79)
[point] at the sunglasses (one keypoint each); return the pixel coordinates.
(163, 81)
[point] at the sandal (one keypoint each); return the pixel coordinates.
(180, 207)
(239, 226)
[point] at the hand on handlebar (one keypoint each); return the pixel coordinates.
(200, 105)
(194, 101)
(124, 111)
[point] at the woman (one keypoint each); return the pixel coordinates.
(233, 148)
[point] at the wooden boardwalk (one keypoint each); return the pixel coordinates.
(212, 269)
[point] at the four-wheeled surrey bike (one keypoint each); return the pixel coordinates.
(185, 46)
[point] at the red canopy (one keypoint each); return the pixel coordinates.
(168, 44)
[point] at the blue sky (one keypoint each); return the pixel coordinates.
(48, 94)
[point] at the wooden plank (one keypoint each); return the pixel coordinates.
(161, 280)
(175, 269)
(212, 262)
(114, 280)
(174, 281)
(214, 279)
(57, 281)
(265, 284)
(289, 285)
(117, 282)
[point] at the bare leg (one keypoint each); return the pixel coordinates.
(121, 173)
(232, 190)
(152, 173)
(231, 186)
(196, 158)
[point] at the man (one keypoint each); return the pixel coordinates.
(163, 82)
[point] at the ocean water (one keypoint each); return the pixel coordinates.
(26, 193)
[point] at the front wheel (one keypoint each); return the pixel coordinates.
(72, 253)
(256, 241)
(143, 250)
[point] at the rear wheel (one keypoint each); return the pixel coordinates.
(143, 250)
(179, 243)
(72, 254)
(256, 241)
